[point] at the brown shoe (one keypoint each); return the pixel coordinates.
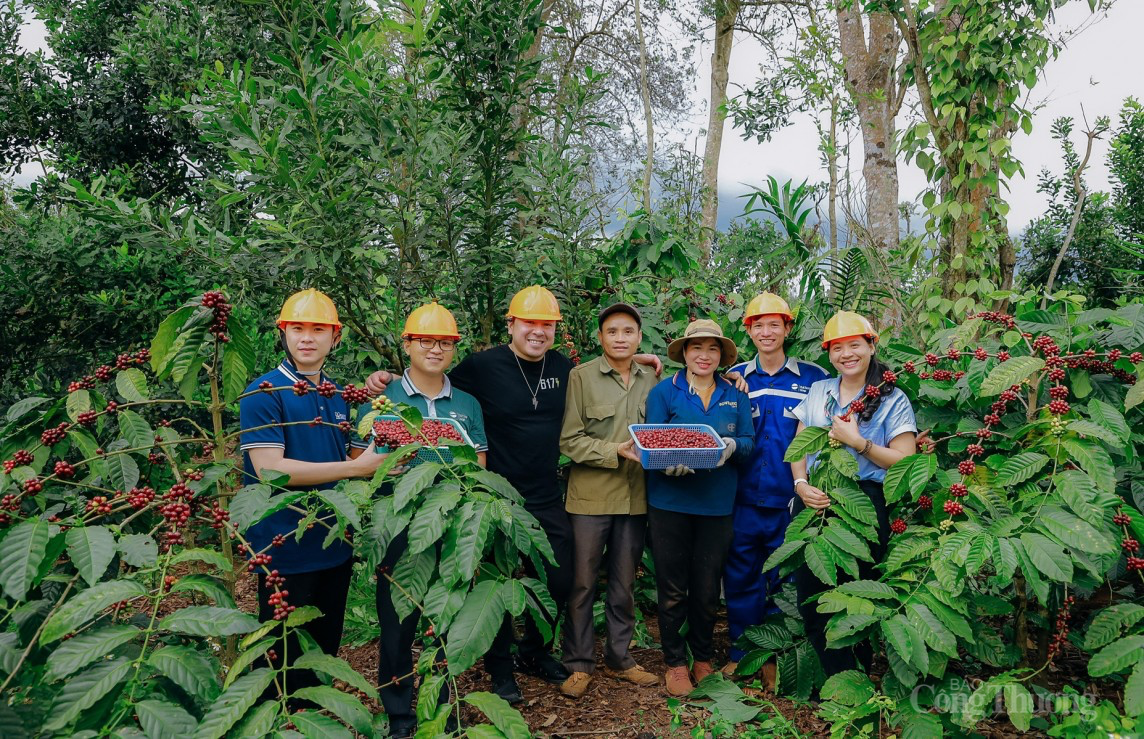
(729, 670)
(576, 684)
(635, 675)
(678, 681)
(700, 670)
(770, 674)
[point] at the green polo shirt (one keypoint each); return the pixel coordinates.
(449, 403)
(597, 413)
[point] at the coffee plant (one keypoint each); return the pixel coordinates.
(1026, 503)
(123, 557)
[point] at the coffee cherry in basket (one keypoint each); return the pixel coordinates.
(675, 439)
(394, 434)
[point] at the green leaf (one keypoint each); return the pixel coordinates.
(1094, 460)
(1135, 395)
(849, 625)
(163, 720)
(249, 505)
(845, 463)
(22, 407)
(188, 668)
(21, 553)
(1134, 691)
(503, 716)
(132, 385)
(1010, 373)
(1075, 533)
(1108, 624)
(77, 403)
(342, 504)
(86, 648)
(343, 705)
(233, 703)
(897, 635)
(1096, 431)
(184, 354)
(209, 586)
(850, 688)
(164, 339)
(783, 553)
(868, 589)
(209, 621)
(472, 631)
(139, 550)
(245, 659)
(303, 615)
(1019, 468)
(336, 668)
(134, 429)
(209, 556)
(258, 721)
(497, 484)
(412, 572)
(318, 726)
(91, 549)
(932, 630)
(84, 690)
(1117, 656)
(234, 374)
(855, 502)
(413, 483)
(1049, 559)
(819, 561)
(909, 475)
(81, 608)
(809, 441)
(121, 469)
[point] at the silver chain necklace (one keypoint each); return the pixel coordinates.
(524, 377)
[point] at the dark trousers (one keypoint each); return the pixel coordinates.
(554, 520)
(808, 585)
(689, 552)
(623, 538)
(395, 647)
(749, 590)
(327, 590)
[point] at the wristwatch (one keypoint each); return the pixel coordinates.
(801, 479)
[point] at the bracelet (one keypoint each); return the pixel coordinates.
(866, 448)
(801, 479)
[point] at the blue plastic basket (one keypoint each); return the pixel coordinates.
(425, 453)
(661, 459)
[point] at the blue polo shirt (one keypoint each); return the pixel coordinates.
(894, 416)
(707, 492)
(303, 442)
(766, 480)
(449, 403)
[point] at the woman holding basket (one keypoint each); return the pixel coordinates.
(878, 428)
(689, 511)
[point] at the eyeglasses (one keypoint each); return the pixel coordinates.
(445, 344)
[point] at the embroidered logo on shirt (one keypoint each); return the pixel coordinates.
(730, 403)
(340, 416)
(799, 388)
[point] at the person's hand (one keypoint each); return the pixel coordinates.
(738, 380)
(846, 431)
(650, 360)
(924, 443)
(728, 451)
(678, 470)
(627, 450)
(811, 496)
(366, 463)
(378, 382)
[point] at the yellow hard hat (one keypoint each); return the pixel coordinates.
(431, 319)
(767, 304)
(534, 303)
(844, 324)
(309, 306)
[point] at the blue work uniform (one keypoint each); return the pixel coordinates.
(303, 442)
(707, 492)
(766, 489)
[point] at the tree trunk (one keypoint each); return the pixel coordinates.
(645, 96)
(726, 15)
(832, 167)
(869, 69)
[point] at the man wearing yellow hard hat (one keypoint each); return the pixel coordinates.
(279, 433)
(430, 341)
(776, 385)
(521, 387)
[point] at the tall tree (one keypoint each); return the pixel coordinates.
(726, 17)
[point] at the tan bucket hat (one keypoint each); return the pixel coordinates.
(704, 329)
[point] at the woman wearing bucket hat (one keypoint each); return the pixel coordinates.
(689, 511)
(878, 429)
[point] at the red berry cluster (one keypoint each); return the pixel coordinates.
(932, 359)
(87, 382)
(925, 502)
(258, 560)
(278, 540)
(155, 458)
(87, 418)
(570, 345)
(953, 508)
(889, 377)
(346, 427)
(327, 389)
(1136, 357)
(176, 514)
(22, 457)
(265, 385)
(1062, 632)
(1128, 544)
(966, 467)
(354, 395)
(179, 491)
(10, 503)
(301, 387)
(993, 316)
(282, 609)
(103, 373)
(856, 406)
(140, 497)
(1045, 344)
(100, 504)
(274, 579)
(675, 439)
(898, 526)
(393, 433)
(873, 391)
(1121, 518)
(1003, 356)
(974, 450)
(55, 435)
(219, 516)
(958, 490)
(216, 301)
(169, 582)
(980, 354)
(112, 408)
(909, 367)
(1135, 563)
(1058, 407)
(33, 485)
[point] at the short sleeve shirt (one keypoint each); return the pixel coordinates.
(449, 403)
(893, 417)
(260, 415)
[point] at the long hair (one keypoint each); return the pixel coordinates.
(874, 376)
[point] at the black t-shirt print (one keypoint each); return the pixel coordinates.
(524, 442)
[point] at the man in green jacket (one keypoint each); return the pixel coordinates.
(606, 500)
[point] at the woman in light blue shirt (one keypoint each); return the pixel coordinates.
(878, 435)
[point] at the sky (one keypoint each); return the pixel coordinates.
(1098, 69)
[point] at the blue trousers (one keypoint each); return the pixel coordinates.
(749, 591)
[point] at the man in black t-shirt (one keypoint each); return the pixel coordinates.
(521, 387)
